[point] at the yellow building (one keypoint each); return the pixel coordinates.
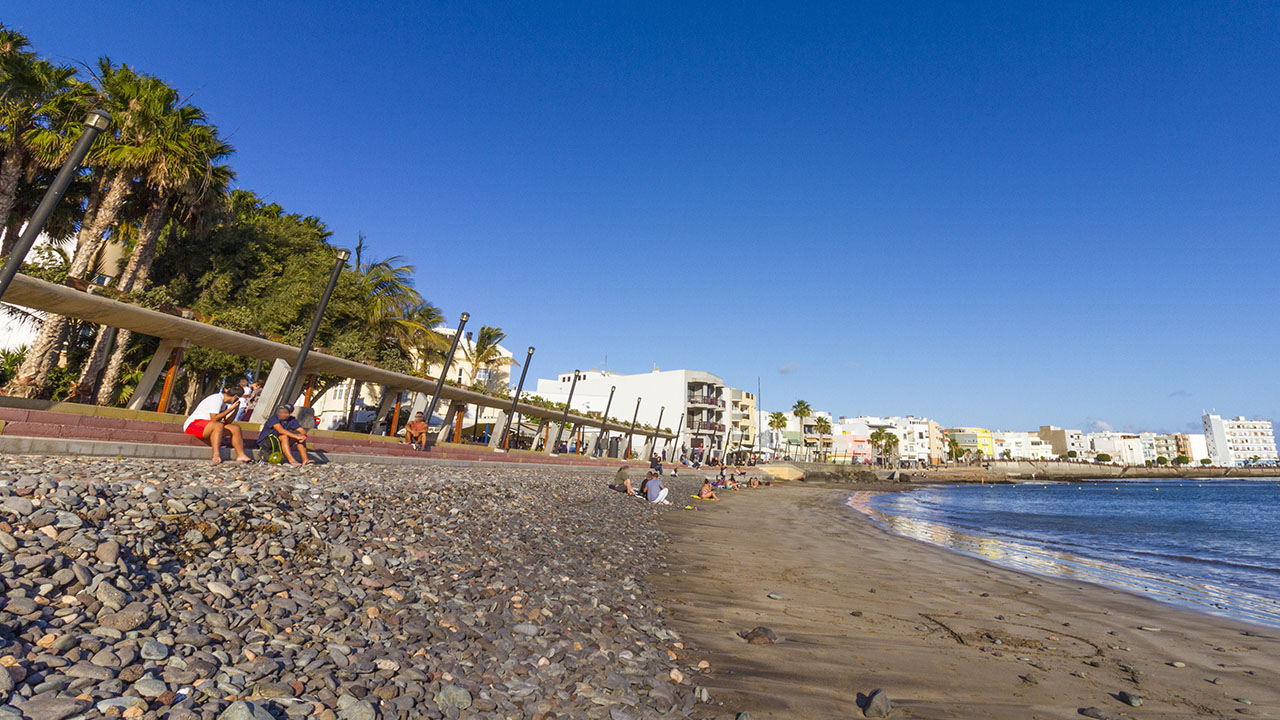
(974, 440)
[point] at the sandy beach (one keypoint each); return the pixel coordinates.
(945, 635)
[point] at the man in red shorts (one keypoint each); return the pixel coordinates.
(209, 420)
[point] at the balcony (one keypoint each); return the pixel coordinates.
(706, 400)
(697, 426)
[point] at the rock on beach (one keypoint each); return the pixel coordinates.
(179, 590)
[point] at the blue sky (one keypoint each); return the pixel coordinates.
(1003, 215)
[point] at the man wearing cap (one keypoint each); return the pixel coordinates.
(289, 432)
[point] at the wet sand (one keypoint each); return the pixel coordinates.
(863, 609)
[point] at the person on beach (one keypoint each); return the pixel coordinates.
(252, 393)
(655, 492)
(754, 483)
(644, 484)
(622, 482)
(209, 420)
(288, 432)
(706, 493)
(415, 432)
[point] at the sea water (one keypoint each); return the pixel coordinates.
(1212, 545)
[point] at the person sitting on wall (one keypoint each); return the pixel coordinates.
(209, 420)
(415, 432)
(285, 430)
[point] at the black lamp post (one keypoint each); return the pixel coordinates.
(631, 435)
(94, 124)
(603, 437)
(555, 446)
(657, 429)
(444, 369)
(295, 372)
(675, 442)
(511, 415)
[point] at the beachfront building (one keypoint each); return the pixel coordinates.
(331, 407)
(1158, 445)
(1191, 445)
(1239, 441)
(1064, 442)
(851, 442)
(973, 440)
(744, 421)
(1124, 448)
(1012, 445)
(699, 396)
(806, 443)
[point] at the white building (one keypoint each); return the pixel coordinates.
(697, 395)
(1123, 448)
(1239, 441)
(331, 407)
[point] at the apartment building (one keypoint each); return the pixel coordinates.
(1239, 441)
(700, 397)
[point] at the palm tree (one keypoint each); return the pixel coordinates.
(388, 302)
(777, 422)
(37, 99)
(483, 352)
(823, 426)
(183, 169)
(117, 160)
(878, 442)
(891, 442)
(801, 410)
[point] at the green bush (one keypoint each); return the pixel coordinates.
(1104, 457)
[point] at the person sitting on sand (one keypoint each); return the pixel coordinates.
(209, 420)
(655, 492)
(644, 484)
(706, 493)
(415, 432)
(286, 429)
(622, 482)
(753, 483)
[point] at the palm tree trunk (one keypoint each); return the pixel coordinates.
(91, 238)
(138, 267)
(44, 352)
(11, 231)
(41, 358)
(10, 173)
(111, 376)
(351, 405)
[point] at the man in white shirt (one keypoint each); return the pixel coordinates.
(210, 419)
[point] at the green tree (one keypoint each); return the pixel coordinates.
(1182, 460)
(1007, 454)
(1072, 454)
(1104, 457)
(1162, 460)
(801, 410)
(954, 451)
(1206, 461)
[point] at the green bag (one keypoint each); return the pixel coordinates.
(272, 452)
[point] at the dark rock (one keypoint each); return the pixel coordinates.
(759, 635)
(878, 705)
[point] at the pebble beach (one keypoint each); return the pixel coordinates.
(154, 589)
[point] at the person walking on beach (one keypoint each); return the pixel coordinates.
(209, 420)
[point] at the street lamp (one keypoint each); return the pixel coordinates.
(657, 429)
(555, 446)
(630, 435)
(295, 372)
(511, 415)
(603, 437)
(94, 124)
(444, 369)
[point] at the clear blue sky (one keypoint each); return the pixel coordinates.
(997, 215)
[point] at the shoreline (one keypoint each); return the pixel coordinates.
(946, 635)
